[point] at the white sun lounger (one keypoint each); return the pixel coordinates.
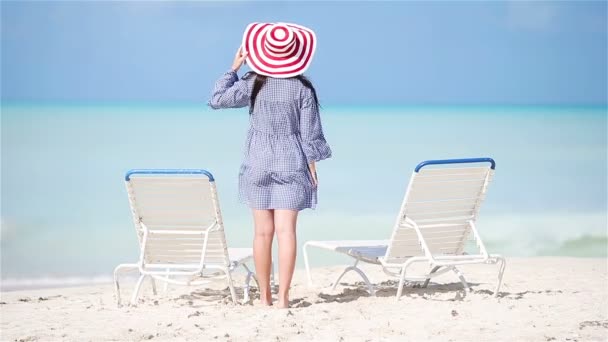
(437, 216)
(180, 230)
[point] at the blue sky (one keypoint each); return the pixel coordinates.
(369, 53)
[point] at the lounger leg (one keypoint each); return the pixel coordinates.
(354, 267)
(166, 285)
(116, 289)
(426, 282)
(402, 275)
(401, 283)
(461, 277)
(230, 285)
(153, 286)
(503, 265)
(247, 287)
(116, 286)
(272, 282)
(307, 265)
(136, 290)
(117, 271)
(340, 277)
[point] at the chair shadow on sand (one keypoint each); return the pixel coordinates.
(351, 292)
(212, 297)
(203, 297)
(388, 288)
(448, 292)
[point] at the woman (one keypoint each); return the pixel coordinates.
(278, 176)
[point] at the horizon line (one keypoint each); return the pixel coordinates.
(332, 104)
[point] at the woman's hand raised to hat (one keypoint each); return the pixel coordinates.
(239, 59)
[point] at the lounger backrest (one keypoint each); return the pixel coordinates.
(176, 206)
(443, 196)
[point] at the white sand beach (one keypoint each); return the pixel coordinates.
(542, 299)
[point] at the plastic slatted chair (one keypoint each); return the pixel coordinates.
(436, 219)
(180, 230)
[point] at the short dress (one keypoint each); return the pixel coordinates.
(284, 136)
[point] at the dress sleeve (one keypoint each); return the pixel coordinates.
(313, 141)
(230, 92)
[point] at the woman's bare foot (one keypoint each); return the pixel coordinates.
(266, 302)
(283, 302)
(266, 299)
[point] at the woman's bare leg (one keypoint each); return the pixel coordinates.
(262, 251)
(285, 223)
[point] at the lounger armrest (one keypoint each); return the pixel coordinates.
(215, 226)
(480, 244)
(425, 247)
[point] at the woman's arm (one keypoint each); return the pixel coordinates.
(229, 91)
(314, 145)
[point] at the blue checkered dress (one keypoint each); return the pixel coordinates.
(285, 134)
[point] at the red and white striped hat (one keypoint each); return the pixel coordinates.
(279, 50)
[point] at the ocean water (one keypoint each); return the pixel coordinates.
(65, 215)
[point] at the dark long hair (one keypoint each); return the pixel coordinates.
(261, 79)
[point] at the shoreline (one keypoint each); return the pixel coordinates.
(542, 298)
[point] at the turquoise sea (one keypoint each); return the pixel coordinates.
(65, 215)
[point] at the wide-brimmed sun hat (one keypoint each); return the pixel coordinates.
(279, 50)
